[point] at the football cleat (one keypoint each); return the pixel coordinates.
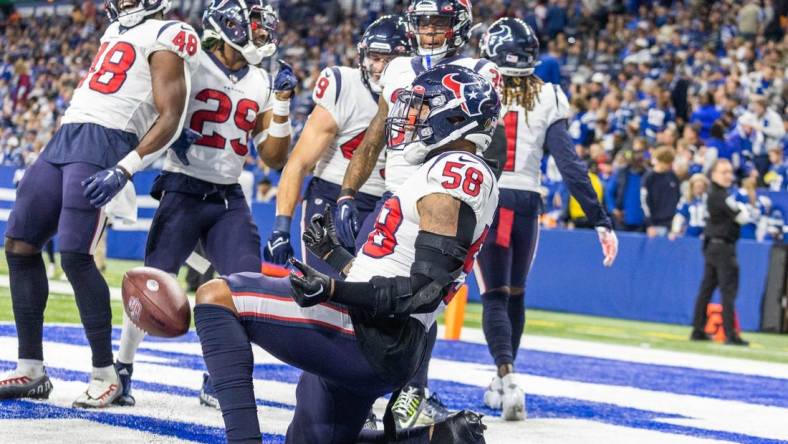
(16, 385)
(207, 394)
(371, 423)
(464, 427)
(494, 393)
(124, 374)
(101, 393)
(513, 399)
(433, 411)
(407, 407)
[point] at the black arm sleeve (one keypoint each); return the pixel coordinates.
(496, 152)
(575, 173)
(438, 262)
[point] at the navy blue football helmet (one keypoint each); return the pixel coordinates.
(444, 104)
(457, 15)
(234, 22)
(387, 35)
(134, 16)
(513, 46)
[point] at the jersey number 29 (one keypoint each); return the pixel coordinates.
(245, 119)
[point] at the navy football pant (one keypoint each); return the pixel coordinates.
(338, 386)
(502, 268)
(226, 228)
(49, 200)
(318, 195)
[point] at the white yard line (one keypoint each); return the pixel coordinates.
(591, 349)
(641, 355)
(738, 417)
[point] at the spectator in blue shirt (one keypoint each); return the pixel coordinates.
(625, 191)
(549, 69)
(706, 114)
(777, 177)
(690, 218)
(658, 116)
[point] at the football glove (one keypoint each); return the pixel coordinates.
(347, 226)
(183, 143)
(278, 248)
(101, 187)
(320, 236)
(311, 287)
(609, 243)
(285, 79)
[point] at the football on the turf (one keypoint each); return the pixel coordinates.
(155, 302)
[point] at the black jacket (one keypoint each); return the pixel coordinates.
(723, 209)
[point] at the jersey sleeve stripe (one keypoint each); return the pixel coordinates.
(481, 64)
(338, 77)
(164, 28)
(417, 66)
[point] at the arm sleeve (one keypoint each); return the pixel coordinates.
(496, 152)
(575, 173)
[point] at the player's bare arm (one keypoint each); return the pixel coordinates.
(364, 158)
(170, 90)
(273, 150)
(319, 131)
(439, 214)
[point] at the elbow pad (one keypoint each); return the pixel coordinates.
(439, 261)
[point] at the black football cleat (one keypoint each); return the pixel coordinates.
(16, 386)
(699, 336)
(463, 427)
(737, 340)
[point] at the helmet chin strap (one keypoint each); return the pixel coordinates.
(434, 55)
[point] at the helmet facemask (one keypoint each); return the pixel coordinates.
(248, 30)
(130, 17)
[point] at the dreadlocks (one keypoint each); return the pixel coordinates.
(523, 91)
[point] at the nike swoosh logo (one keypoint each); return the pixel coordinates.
(464, 159)
(320, 290)
(277, 243)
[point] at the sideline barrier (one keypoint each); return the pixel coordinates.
(652, 280)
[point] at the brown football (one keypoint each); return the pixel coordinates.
(155, 302)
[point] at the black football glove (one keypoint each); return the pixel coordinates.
(311, 287)
(320, 236)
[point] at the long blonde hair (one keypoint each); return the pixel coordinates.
(697, 177)
(523, 91)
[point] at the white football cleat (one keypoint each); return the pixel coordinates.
(513, 399)
(494, 393)
(102, 391)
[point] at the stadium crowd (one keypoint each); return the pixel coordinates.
(659, 90)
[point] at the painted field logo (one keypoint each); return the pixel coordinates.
(134, 308)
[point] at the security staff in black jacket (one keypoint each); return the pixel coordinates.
(719, 252)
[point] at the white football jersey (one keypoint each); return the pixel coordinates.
(342, 92)
(116, 92)
(224, 106)
(525, 137)
(390, 248)
(398, 75)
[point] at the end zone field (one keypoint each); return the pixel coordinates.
(587, 380)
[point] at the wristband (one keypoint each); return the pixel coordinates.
(279, 129)
(338, 259)
(346, 193)
(131, 163)
(281, 107)
(260, 138)
(282, 223)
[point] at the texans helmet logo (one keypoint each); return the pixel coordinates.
(498, 38)
(473, 100)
